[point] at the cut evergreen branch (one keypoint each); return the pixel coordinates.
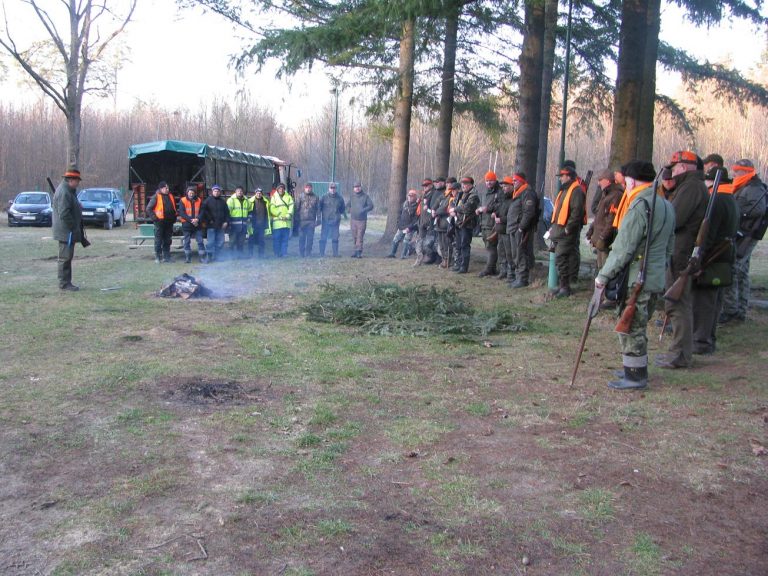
(389, 309)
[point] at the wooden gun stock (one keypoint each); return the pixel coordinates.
(628, 314)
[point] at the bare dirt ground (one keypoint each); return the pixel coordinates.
(233, 437)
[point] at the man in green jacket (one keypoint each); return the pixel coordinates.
(67, 226)
(629, 248)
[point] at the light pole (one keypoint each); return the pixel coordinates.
(335, 93)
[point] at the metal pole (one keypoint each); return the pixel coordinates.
(335, 132)
(565, 82)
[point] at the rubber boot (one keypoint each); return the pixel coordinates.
(634, 379)
(565, 289)
(393, 252)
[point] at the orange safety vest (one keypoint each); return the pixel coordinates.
(190, 208)
(562, 214)
(160, 207)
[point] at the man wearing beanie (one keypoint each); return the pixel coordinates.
(689, 199)
(489, 203)
(629, 248)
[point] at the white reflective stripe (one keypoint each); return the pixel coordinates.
(634, 361)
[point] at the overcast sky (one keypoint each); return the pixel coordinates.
(181, 59)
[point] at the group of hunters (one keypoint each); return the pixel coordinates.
(652, 232)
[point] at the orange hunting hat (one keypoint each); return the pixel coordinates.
(490, 175)
(684, 157)
(519, 177)
(508, 180)
(72, 173)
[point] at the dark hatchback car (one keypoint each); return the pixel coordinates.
(103, 206)
(31, 209)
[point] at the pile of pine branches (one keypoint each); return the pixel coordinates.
(389, 309)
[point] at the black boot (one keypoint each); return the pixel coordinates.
(634, 379)
(393, 252)
(565, 289)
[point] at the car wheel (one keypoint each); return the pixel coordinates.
(110, 222)
(121, 220)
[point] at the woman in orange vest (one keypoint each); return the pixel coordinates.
(162, 209)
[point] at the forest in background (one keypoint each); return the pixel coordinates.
(33, 139)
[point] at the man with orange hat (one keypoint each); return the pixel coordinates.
(489, 202)
(67, 226)
(568, 217)
(750, 194)
(522, 222)
(689, 199)
(506, 233)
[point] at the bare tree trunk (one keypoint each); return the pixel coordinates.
(445, 123)
(402, 129)
(648, 95)
(531, 65)
(632, 110)
(550, 29)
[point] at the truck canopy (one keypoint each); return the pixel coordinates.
(180, 163)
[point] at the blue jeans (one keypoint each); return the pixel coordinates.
(280, 238)
(215, 240)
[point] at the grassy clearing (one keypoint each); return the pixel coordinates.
(437, 454)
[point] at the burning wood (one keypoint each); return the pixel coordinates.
(185, 286)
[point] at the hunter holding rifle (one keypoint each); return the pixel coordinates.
(646, 255)
(67, 225)
(689, 199)
(717, 262)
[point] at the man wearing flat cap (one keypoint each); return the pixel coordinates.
(466, 220)
(689, 199)
(359, 206)
(568, 217)
(604, 206)
(629, 249)
(67, 226)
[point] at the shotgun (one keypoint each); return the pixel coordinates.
(592, 310)
(628, 315)
(675, 292)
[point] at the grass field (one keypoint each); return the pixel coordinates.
(231, 436)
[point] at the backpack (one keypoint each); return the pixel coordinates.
(758, 231)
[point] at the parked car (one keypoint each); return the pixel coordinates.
(104, 206)
(31, 208)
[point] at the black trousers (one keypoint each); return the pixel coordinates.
(163, 238)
